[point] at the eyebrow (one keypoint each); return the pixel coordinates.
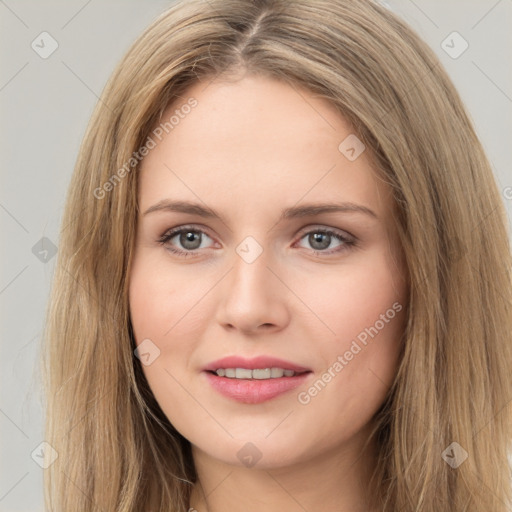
(293, 212)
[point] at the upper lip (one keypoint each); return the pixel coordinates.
(254, 363)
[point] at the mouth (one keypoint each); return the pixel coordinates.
(260, 364)
(253, 381)
(255, 374)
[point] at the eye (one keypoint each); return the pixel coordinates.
(321, 238)
(189, 238)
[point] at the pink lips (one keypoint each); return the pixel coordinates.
(254, 363)
(253, 391)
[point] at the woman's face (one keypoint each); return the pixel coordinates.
(261, 275)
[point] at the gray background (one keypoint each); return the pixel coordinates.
(45, 106)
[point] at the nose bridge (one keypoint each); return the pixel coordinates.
(249, 297)
(250, 276)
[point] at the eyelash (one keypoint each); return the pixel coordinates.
(166, 237)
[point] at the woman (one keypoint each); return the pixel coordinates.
(284, 278)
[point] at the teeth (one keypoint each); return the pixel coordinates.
(276, 372)
(242, 373)
(259, 373)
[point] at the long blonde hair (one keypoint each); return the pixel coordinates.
(117, 450)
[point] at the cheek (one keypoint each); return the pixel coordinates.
(364, 307)
(162, 310)
(348, 300)
(170, 308)
(163, 303)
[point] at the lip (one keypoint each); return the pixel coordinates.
(254, 363)
(254, 391)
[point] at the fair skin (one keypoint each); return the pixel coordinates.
(248, 150)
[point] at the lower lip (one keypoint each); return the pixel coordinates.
(254, 391)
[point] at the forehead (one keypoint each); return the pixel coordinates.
(264, 141)
(258, 113)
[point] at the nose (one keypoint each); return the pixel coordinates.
(252, 298)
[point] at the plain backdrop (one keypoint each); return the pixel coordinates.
(45, 106)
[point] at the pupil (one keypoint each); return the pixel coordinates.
(189, 238)
(317, 238)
